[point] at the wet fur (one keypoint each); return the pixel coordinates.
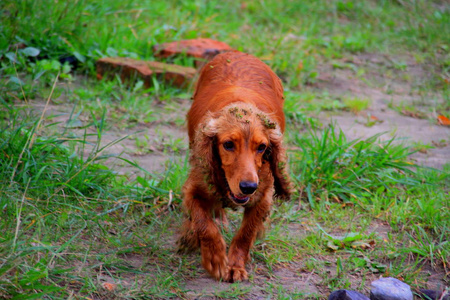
(237, 97)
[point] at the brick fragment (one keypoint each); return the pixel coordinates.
(203, 49)
(129, 68)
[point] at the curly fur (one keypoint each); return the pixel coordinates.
(238, 100)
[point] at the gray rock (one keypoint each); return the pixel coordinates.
(432, 295)
(390, 289)
(347, 295)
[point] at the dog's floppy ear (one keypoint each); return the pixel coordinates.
(204, 154)
(276, 155)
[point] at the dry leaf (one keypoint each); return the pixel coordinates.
(109, 286)
(413, 114)
(443, 120)
(333, 246)
(361, 245)
(300, 66)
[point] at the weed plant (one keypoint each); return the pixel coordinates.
(329, 166)
(56, 189)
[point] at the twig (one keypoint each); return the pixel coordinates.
(444, 293)
(16, 234)
(170, 199)
(44, 110)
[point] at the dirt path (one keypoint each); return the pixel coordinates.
(387, 97)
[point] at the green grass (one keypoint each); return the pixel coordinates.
(72, 219)
(50, 221)
(329, 166)
(286, 34)
(49, 179)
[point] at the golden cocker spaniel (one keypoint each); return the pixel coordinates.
(236, 126)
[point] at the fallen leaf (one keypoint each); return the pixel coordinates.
(333, 246)
(371, 120)
(300, 66)
(350, 237)
(375, 266)
(440, 144)
(443, 120)
(361, 245)
(413, 114)
(109, 286)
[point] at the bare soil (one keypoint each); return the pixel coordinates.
(385, 94)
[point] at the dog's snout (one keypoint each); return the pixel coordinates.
(248, 187)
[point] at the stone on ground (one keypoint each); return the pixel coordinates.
(202, 48)
(390, 289)
(128, 68)
(347, 295)
(432, 295)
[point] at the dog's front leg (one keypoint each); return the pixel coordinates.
(212, 244)
(239, 253)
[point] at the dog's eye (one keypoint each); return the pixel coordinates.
(261, 148)
(229, 146)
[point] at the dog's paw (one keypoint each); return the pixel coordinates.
(236, 274)
(215, 261)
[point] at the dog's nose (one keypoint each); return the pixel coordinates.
(248, 187)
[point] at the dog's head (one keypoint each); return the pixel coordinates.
(233, 144)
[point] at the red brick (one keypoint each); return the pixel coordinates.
(128, 68)
(204, 49)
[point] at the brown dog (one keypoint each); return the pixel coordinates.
(237, 159)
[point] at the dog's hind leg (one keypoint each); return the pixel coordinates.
(221, 219)
(189, 240)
